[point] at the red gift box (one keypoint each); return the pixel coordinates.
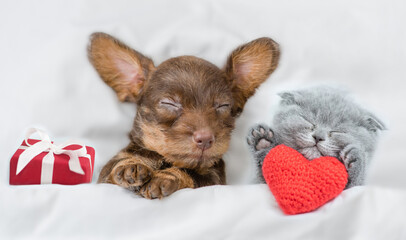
(69, 164)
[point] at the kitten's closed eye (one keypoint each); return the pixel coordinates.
(310, 128)
(308, 125)
(332, 133)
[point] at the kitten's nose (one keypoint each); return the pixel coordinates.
(318, 138)
(203, 139)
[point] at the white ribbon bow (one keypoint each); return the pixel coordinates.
(45, 145)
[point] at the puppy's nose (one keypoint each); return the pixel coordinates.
(203, 139)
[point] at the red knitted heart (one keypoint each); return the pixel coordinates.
(300, 185)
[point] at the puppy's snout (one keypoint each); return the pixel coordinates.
(203, 139)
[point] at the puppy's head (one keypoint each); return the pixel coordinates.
(186, 106)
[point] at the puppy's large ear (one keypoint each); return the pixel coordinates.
(122, 68)
(250, 65)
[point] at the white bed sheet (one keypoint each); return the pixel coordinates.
(47, 82)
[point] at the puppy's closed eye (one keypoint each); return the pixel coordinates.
(223, 107)
(170, 104)
(168, 111)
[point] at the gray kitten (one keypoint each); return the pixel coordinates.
(317, 122)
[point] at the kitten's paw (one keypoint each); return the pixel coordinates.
(261, 137)
(130, 174)
(351, 156)
(354, 161)
(161, 185)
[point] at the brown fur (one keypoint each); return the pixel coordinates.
(186, 109)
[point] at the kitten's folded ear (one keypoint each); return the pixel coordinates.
(122, 68)
(374, 124)
(250, 65)
(289, 98)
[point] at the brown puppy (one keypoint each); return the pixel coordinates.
(186, 109)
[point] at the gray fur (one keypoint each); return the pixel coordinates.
(343, 129)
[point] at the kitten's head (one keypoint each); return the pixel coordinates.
(322, 121)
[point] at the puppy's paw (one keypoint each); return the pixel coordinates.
(354, 160)
(161, 185)
(261, 137)
(129, 174)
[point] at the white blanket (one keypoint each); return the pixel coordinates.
(47, 82)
